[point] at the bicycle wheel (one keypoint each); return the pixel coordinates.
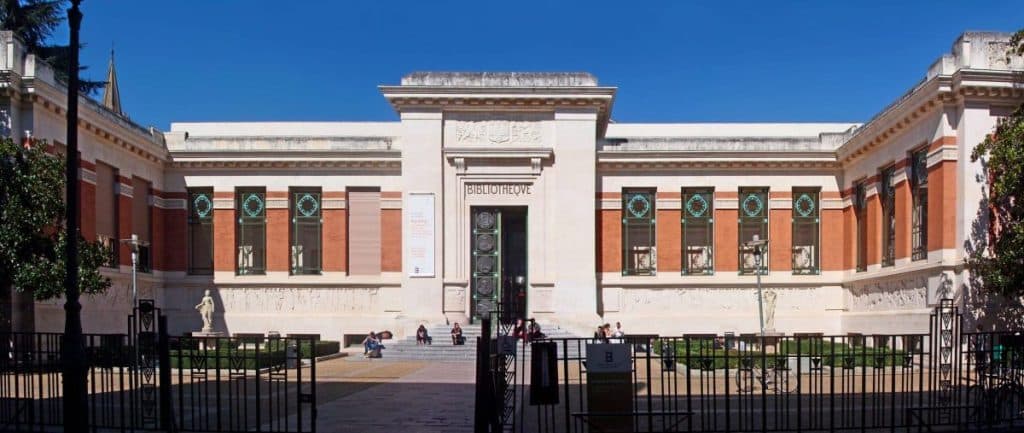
(786, 381)
(746, 377)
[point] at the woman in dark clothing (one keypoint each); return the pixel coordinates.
(421, 335)
(457, 335)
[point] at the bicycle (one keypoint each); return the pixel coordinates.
(770, 372)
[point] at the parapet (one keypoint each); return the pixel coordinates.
(500, 79)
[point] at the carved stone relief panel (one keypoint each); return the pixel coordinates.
(497, 129)
(897, 294)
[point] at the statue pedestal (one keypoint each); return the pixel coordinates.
(208, 339)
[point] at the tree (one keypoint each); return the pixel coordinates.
(34, 21)
(1000, 266)
(32, 233)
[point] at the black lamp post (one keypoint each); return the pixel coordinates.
(76, 414)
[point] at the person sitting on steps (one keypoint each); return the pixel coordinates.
(457, 339)
(421, 335)
(533, 330)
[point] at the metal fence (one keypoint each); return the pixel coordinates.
(146, 380)
(943, 379)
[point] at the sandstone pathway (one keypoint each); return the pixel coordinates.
(395, 396)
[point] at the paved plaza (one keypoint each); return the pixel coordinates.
(357, 395)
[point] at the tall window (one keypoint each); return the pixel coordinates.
(141, 217)
(252, 231)
(638, 235)
(106, 212)
(200, 231)
(306, 223)
(698, 231)
(919, 191)
(806, 239)
(860, 212)
(753, 209)
(887, 196)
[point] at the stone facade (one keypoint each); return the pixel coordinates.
(544, 143)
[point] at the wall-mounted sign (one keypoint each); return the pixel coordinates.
(514, 189)
(419, 238)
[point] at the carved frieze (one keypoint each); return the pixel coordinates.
(901, 294)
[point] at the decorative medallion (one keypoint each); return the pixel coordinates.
(638, 205)
(485, 242)
(697, 206)
(485, 307)
(485, 220)
(307, 205)
(253, 205)
(804, 205)
(202, 205)
(484, 264)
(485, 286)
(753, 205)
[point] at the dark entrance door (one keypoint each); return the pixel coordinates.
(498, 262)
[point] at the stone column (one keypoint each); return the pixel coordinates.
(422, 171)
(573, 202)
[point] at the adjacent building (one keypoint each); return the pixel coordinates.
(520, 189)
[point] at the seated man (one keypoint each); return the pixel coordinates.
(457, 339)
(370, 341)
(533, 330)
(422, 337)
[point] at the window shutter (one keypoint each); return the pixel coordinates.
(364, 232)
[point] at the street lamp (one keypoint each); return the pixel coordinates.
(134, 243)
(757, 244)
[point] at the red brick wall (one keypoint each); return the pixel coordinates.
(277, 229)
(904, 211)
(609, 246)
(942, 206)
(335, 238)
(87, 210)
(124, 223)
(391, 240)
(874, 215)
(726, 250)
(224, 236)
(669, 241)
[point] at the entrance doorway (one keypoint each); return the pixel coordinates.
(498, 262)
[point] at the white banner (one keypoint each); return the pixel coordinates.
(419, 239)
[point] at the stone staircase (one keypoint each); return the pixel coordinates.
(442, 348)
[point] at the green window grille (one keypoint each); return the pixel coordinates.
(639, 251)
(919, 217)
(887, 196)
(698, 231)
(806, 231)
(860, 213)
(307, 221)
(200, 231)
(753, 220)
(251, 231)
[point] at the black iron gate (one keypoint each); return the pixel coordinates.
(146, 380)
(945, 379)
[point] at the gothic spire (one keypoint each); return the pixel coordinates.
(111, 95)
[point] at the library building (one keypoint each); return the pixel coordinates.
(520, 191)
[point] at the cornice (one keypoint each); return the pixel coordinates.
(134, 138)
(361, 164)
(673, 160)
(498, 152)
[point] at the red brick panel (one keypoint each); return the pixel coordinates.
(726, 249)
(832, 245)
(849, 237)
(169, 234)
(780, 232)
(942, 206)
(391, 239)
(669, 240)
(904, 211)
(278, 246)
(335, 239)
(124, 226)
(609, 246)
(874, 229)
(224, 239)
(87, 210)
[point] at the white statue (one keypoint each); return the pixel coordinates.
(770, 298)
(206, 308)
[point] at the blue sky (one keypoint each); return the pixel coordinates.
(672, 61)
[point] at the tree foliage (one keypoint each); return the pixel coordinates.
(34, 21)
(32, 229)
(1000, 267)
